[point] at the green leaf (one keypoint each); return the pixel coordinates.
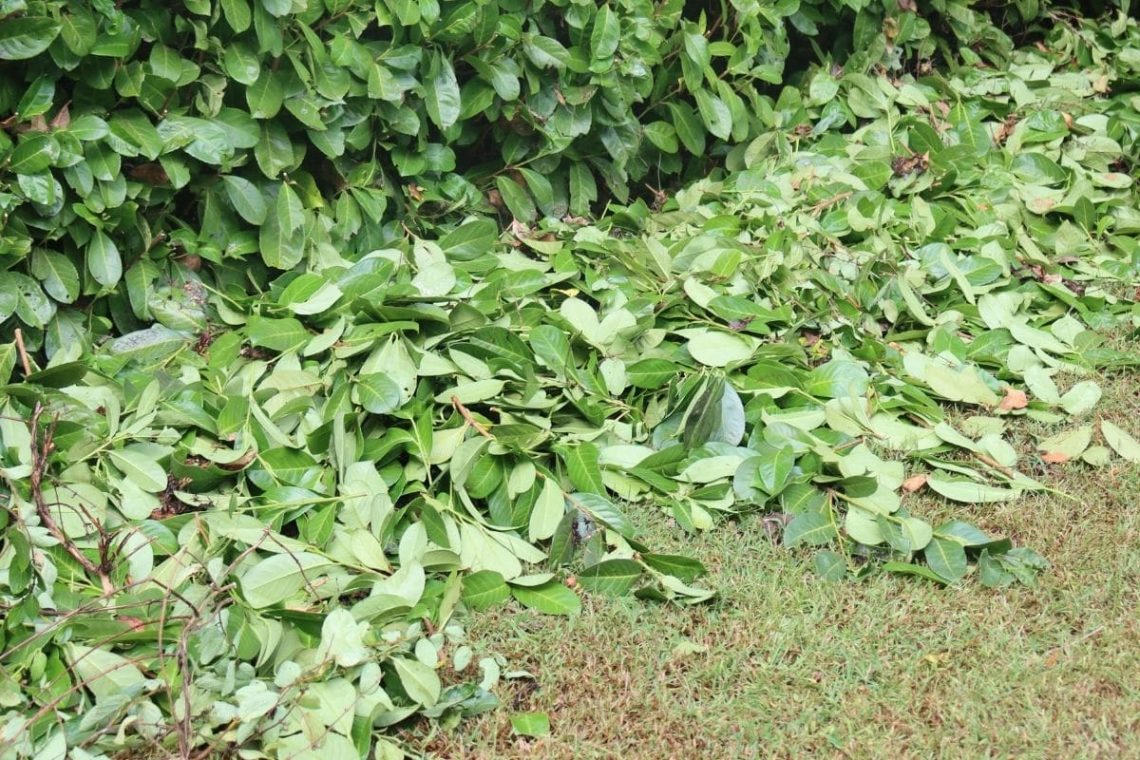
(970, 491)
(516, 198)
(246, 199)
(663, 135)
(471, 393)
(103, 260)
(907, 568)
(614, 577)
(688, 128)
(140, 468)
(1068, 444)
(583, 188)
(484, 589)
(582, 467)
(1120, 441)
(378, 393)
(34, 154)
(991, 573)
(265, 97)
(26, 37)
(535, 724)
(105, 674)
(603, 510)
(773, 467)
(545, 52)
(442, 96)
(548, 510)
(420, 682)
(1081, 398)
(152, 344)
(810, 528)
(606, 33)
(963, 533)
(290, 212)
(539, 187)
(829, 565)
(276, 334)
(837, 379)
(946, 558)
(685, 568)
(714, 113)
(274, 579)
(714, 348)
(651, 373)
(135, 134)
(58, 275)
(550, 598)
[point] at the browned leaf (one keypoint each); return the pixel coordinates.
(62, 119)
(495, 199)
(915, 482)
(241, 462)
(150, 173)
(916, 163)
(1014, 399)
(1054, 457)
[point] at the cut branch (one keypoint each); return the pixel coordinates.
(459, 407)
(42, 446)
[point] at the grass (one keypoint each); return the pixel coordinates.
(784, 664)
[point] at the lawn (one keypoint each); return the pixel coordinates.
(784, 664)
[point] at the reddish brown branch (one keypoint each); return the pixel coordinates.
(459, 407)
(23, 352)
(42, 445)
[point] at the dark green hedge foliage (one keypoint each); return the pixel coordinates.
(256, 135)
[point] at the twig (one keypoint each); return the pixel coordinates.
(994, 463)
(828, 202)
(459, 407)
(23, 351)
(42, 447)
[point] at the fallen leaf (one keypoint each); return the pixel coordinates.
(914, 482)
(1014, 399)
(1054, 457)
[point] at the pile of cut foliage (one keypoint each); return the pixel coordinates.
(295, 379)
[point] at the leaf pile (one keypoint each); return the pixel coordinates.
(244, 508)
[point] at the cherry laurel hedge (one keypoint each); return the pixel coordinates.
(254, 135)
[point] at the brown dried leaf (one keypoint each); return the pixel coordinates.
(62, 119)
(241, 462)
(1014, 399)
(150, 173)
(1054, 457)
(915, 482)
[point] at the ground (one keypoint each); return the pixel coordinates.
(784, 664)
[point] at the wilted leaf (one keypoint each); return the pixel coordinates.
(915, 482)
(1014, 399)
(1120, 441)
